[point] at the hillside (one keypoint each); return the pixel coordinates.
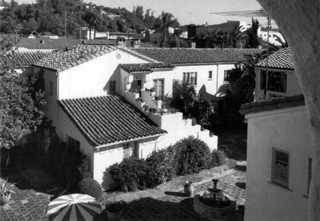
(64, 17)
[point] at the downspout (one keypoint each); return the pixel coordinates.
(267, 60)
(58, 115)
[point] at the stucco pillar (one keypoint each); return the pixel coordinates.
(299, 20)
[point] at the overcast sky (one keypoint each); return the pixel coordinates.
(186, 11)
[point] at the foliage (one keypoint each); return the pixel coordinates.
(84, 168)
(130, 174)
(116, 206)
(165, 21)
(218, 158)
(6, 188)
(253, 40)
(91, 187)
(161, 167)
(52, 16)
(192, 156)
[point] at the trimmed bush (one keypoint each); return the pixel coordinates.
(161, 167)
(130, 174)
(218, 158)
(192, 156)
(91, 187)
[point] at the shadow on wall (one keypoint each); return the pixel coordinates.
(165, 208)
(114, 77)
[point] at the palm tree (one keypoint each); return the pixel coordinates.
(236, 34)
(189, 97)
(94, 20)
(167, 21)
(175, 38)
(211, 37)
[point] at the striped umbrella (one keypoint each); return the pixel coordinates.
(73, 207)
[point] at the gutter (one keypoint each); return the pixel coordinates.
(105, 146)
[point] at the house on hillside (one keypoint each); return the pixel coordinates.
(92, 101)
(274, 34)
(279, 158)
(206, 69)
(281, 78)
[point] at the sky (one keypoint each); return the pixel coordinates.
(187, 11)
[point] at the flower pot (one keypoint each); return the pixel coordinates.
(189, 189)
(114, 215)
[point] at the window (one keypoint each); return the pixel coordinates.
(127, 151)
(112, 87)
(158, 85)
(210, 75)
(51, 88)
(277, 81)
(280, 167)
(227, 75)
(190, 78)
(309, 174)
(73, 143)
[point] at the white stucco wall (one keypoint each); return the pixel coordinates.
(293, 87)
(92, 78)
(287, 130)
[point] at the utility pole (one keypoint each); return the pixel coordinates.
(65, 24)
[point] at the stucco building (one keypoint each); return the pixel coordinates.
(279, 157)
(281, 78)
(99, 98)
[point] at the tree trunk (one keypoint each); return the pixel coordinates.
(299, 22)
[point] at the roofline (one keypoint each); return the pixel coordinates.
(205, 63)
(97, 148)
(272, 105)
(264, 67)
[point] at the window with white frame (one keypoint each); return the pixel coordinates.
(210, 75)
(280, 167)
(190, 78)
(158, 85)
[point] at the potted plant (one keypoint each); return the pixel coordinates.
(114, 209)
(6, 189)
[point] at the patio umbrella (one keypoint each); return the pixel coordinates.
(73, 207)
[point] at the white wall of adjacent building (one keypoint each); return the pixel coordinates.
(287, 130)
(292, 85)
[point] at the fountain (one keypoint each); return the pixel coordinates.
(214, 205)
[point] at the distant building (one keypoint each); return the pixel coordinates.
(274, 34)
(281, 80)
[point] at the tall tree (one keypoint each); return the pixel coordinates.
(167, 20)
(252, 33)
(21, 99)
(236, 35)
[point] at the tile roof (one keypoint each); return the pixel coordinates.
(65, 59)
(146, 67)
(196, 55)
(281, 59)
(274, 104)
(24, 59)
(108, 119)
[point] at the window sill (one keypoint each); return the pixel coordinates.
(278, 185)
(209, 79)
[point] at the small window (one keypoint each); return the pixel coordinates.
(227, 75)
(280, 167)
(51, 88)
(210, 75)
(127, 151)
(190, 78)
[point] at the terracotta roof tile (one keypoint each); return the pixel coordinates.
(25, 59)
(65, 59)
(196, 55)
(274, 104)
(145, 67)
(281, 59)
(108, 119)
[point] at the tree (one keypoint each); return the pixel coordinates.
(166, 21)
(298, 27)
(93, 20)
(252, 33)
(21, 99)
(176, 41)
(211, 38)
(235, 35)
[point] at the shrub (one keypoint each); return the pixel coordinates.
(218, 158)
(91, 187)
(192, 155)
(130, 174)
(161, 166)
